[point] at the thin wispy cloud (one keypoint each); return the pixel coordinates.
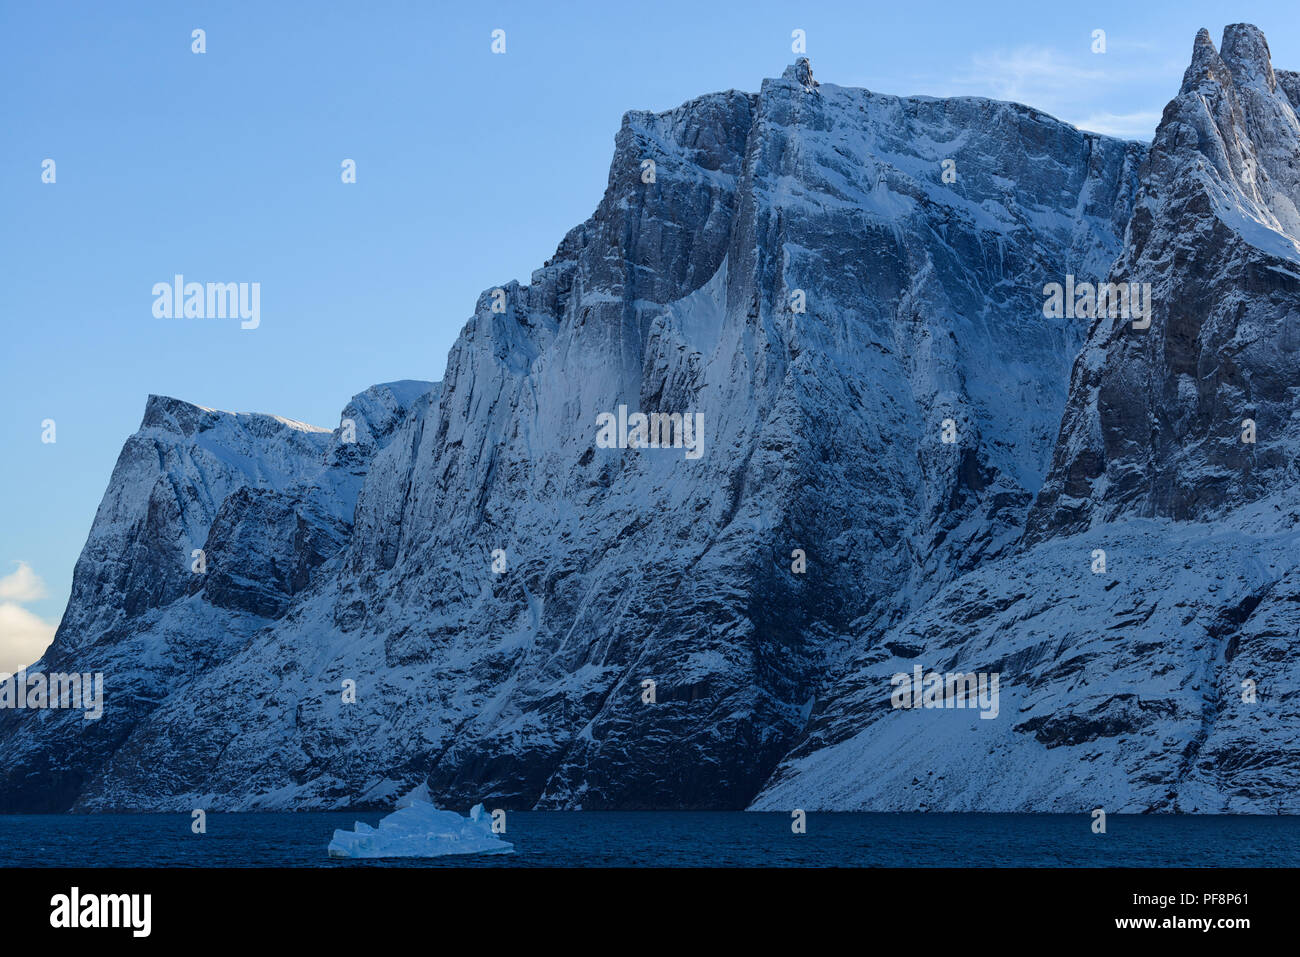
(1087, 90)
(1032, 75)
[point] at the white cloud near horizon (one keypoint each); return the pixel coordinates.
(24, 636)
(22, 585)
(1127, 126)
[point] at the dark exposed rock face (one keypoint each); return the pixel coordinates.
(1154, 424)
(836, 281)
(264, 546)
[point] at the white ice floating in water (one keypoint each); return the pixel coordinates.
(418, 829)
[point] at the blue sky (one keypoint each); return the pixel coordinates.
(471, 166)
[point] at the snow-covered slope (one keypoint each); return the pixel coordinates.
(1123, 690)
(801, 269)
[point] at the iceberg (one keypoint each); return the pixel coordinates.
(418, 829)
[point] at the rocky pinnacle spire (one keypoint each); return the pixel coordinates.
(801, 72)
(1245, 51)
(1206, 63)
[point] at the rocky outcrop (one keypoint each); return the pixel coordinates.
(1193, 416)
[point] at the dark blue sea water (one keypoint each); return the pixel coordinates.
(603, 839)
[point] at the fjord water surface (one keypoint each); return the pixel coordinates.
(672, 839)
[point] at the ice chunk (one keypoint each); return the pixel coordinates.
(418, 829)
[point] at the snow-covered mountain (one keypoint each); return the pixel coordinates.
(1127, 689)
(896, 466)
(259, 501)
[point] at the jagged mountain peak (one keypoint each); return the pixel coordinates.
(1244, 58)
(1188, 415)
(801, 72)
(1206, 64)
(1234, 123)
(1246, 52)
